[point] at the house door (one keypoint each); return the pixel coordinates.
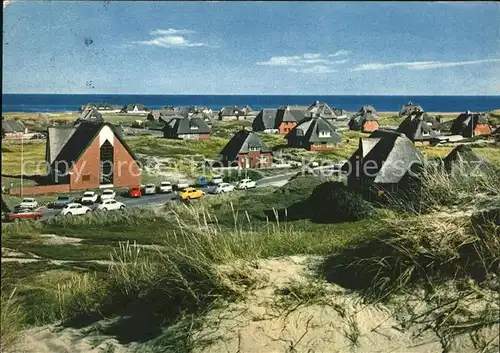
(107, 162)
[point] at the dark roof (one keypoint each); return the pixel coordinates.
(367, 109)
(391, 155)
(12, 125)
(408, 108)
(90, 115)
(79, 139)
(464, 154)
(131, 107)
(309, 130)
(241, 142)
(357, 120)
(266, 119)
(419, 126)
(229, 111)
(190, 125)
(466, 122)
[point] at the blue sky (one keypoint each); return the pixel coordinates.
(251, 47)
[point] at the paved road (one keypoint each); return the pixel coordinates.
(160, 199)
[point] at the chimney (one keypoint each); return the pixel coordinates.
(312, 115)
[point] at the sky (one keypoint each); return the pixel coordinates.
(217, 47)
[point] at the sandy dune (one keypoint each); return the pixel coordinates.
(262, 322)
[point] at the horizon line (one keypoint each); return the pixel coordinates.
(277, 95)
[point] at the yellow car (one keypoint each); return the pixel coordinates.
(190, 193)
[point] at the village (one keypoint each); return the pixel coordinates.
(90, 141)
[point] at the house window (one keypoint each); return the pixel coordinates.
(194, 127)
(324, 134)
(425, 133)
(254, 149)
(85, 177)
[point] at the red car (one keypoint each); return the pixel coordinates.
(135, 191)
(25, 214)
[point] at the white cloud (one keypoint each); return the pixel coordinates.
(421, 65)
(171, 38)
(317, 69)
(341, 52)
(306, 59)
(170, 32)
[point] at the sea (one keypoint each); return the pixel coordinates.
(72, 102)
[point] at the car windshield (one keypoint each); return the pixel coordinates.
(28, 200)
(107, 192)
(23, 210)
(90, 193)
(165, 183)
(150, 186)
(62, 198)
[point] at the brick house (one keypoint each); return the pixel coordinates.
(90, 155)
(314, 134)
(280, 121)
(470, 124)
(365, 120)
(187, 128)
(385, 163)
(246, 150)
(420, 128)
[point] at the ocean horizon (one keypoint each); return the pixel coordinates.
(72, 102)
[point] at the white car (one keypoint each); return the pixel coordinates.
(182, 185)
(111, 205)
(89, 197)
(246, 184)
(165, 187)
(223, 187)
(217, 179)
(108, 194)
(150, 189)
(73, 209)
(29, 203)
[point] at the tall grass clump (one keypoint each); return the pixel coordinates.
(12, 320)
(464, 186)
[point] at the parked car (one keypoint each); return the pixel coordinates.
(29, 203)
(25, 213)
(135, 191)
(107, 194)
(246, 184)
(165, 187)
(191, 193)
(217, 179)
(62, 201)
(223, 187)
(202, 181)
(73, 209)
(89, 198)
(111, 205)
(181, 184)
(149, 189)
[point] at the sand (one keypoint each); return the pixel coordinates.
(261, 322)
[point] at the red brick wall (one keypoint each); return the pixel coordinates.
(87, 165)
(254, 158)
(370, 126)
(41, 189)
(482, 129)
(128, 173)
(286, 127)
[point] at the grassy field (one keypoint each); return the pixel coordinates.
(177, 283)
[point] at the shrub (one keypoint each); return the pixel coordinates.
(12, 318)
(333, 202)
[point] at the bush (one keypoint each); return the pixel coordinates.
(333, 202)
